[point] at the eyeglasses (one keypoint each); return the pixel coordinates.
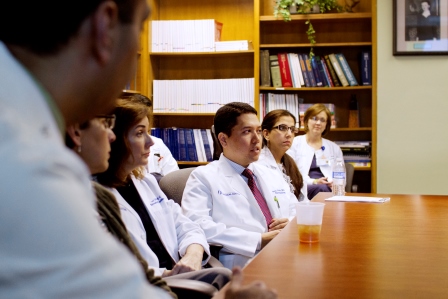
(285, 128)
(108, 120)
(316, 119)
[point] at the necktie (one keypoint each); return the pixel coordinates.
(257, 194)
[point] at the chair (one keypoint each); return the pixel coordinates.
(349, 173)
(173, 185)
(187, 288)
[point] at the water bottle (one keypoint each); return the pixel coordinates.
(339, 178)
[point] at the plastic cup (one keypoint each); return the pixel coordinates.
(309, 221)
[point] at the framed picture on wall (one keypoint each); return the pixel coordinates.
(420, 27)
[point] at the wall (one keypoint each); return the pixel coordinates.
(412, 111)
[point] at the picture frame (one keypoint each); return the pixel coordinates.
(420, 27)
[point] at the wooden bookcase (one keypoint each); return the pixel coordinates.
(349, 33)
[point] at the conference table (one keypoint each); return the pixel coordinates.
(395, 249)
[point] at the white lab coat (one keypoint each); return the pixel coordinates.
(218, 198)
(268, 160)
(303, 154)
(165, 162)
(52, 244)
(175, 230)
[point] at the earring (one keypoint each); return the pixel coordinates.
(79, 149)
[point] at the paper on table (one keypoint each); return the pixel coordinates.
(358, 199)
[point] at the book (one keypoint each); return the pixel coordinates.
(327, 73)
(309, 70)
(200, 151)
(234, 45)
(285, 72)
(207, 149)
(265, 73)
(295, 70)
(191, 147)
(338, 70)
(317, 74)
(330, 68)
(304, 72)
(182, 145)
(346, 69)
(366, 68)
(275, 71)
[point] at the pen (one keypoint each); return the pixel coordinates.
(276, 200)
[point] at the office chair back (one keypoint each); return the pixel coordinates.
(349, 173)
(173, 184)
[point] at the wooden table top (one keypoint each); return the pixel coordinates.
(397, 249)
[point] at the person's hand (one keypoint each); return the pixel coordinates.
(255, 290)
(267, 237)
(191, 261)
(278, 223)
(324, 181)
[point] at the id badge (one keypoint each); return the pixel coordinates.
(321, 159)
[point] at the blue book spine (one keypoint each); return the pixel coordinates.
(366, 68)
(191, 146)
(346, 69)
(309, 70)
(208, 151)
(175, 151)
(182, 145)
(322, 74)
(326, 74)
(316, 72)
(304, 72)
(165, 137)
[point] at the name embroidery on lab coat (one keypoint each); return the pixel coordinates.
(279, 191)
(156, 200)
(227, 194)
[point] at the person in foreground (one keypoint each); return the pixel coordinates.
(278, 133)
(50, 78)
(170, 242)
(91, 141)
(239, 204)
(314, 155)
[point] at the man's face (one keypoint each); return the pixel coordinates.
(244, 144)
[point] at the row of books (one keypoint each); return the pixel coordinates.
(185, 35)
(357, 153)
(200, 96)
(299, 70)
(187, 144)
(292, 103)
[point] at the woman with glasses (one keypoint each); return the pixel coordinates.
(278, 133)
(92, 140)
(313, 154)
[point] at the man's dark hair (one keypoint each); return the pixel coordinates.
(226, 116)
(44, 26)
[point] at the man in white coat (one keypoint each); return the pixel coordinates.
(240, 209)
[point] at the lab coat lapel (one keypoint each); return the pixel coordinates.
(160, 224)
(234, 180)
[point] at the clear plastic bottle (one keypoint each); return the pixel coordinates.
(339, 176)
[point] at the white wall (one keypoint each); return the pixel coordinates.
(412, 125)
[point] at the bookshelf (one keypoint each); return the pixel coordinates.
(253, 20)
(347, 33)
